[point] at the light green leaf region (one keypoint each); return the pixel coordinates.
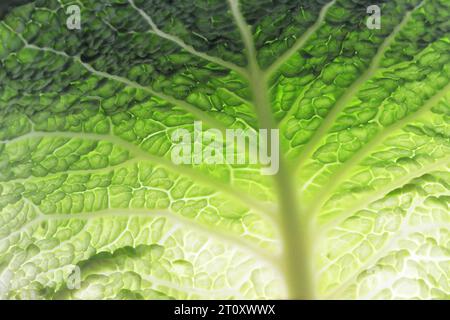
(359, 208)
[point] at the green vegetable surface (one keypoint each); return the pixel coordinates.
(359, 208)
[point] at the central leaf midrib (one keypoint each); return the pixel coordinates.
(295, 227)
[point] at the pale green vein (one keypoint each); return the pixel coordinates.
(219, 235)
(199, 114)
(295, 105)
(258, 85)
(183, 45)
(350, 93)
(237, 195)
(300, 41)
(295, 231)
(25, 224)
(402, 233)
(74, 172)
(191, 109)
(345, 171)
(183, 104)
(235, 95)
(381, 193)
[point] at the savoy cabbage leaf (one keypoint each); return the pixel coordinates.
(358, 209)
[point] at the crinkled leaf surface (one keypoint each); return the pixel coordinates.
(359, 207)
